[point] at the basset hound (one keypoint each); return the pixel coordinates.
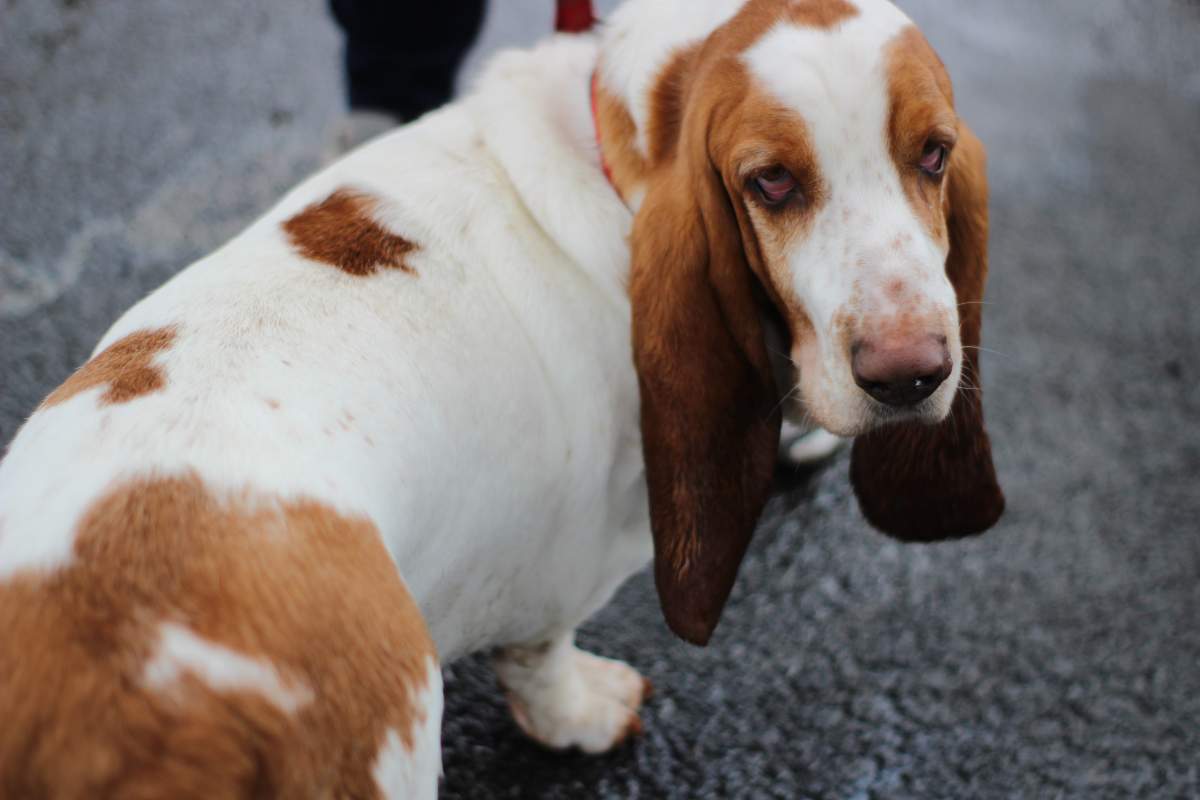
(456, 387)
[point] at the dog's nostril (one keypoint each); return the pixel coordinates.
(902, 393)
(901, 375)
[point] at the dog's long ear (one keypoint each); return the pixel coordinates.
(925, 483)
(710, 421)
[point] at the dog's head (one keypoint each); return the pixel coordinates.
(800, 162)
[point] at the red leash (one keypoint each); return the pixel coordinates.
(574, 16)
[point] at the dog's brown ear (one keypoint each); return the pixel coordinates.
(710, 421)
(929, 482)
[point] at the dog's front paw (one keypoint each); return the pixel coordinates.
(563, 697)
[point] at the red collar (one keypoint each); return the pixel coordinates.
(596, 131)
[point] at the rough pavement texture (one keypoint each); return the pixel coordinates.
(1058, 656)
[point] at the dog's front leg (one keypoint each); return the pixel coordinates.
(564, 697)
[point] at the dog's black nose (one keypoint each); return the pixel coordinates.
(901, 373)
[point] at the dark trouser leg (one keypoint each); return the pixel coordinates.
(401, 56)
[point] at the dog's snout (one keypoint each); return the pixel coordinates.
(901, 373)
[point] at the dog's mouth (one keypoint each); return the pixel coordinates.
(926, 412)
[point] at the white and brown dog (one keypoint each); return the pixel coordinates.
(447, 394)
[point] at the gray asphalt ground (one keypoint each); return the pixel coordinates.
(1056, 657)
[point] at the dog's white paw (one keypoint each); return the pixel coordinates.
(563, 697)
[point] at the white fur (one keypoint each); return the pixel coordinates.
(180, 651)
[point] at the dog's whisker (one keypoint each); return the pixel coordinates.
(789, 359)
(788, 396)
(985, 350)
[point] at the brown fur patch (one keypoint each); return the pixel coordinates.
(341, 232)
(618, 141)
(126, 367)
(666, 103)
(293, 583)
(758, 16)
(822, 14)
(921, 107)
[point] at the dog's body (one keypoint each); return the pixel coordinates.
(426, 345)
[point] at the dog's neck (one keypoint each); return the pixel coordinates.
(534, 114)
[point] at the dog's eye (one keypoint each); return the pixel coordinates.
(933, 159)
(776, 185)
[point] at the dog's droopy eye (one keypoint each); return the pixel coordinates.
(776, 185)
(933, 159)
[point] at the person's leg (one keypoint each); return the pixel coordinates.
(401, 57)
